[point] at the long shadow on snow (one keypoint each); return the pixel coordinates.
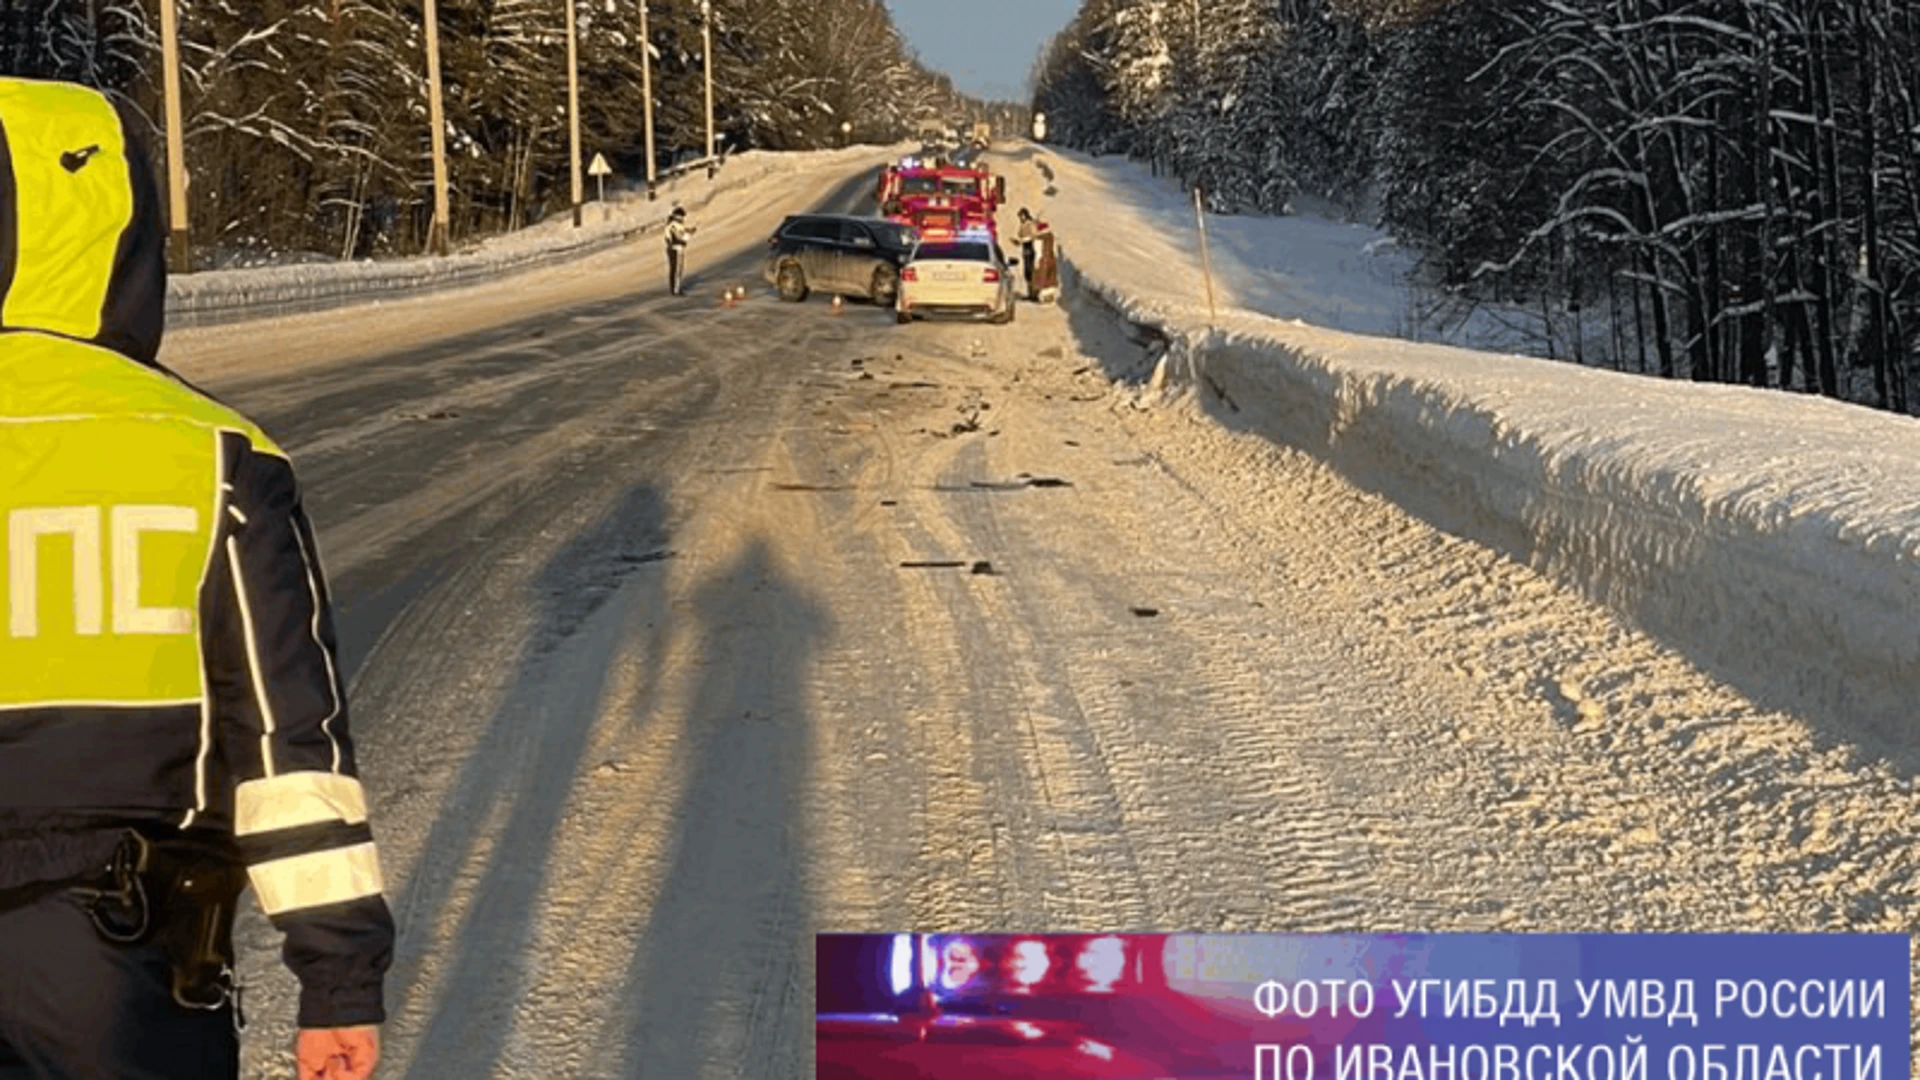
(516, 784)
(728, 944)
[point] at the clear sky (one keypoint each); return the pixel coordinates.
(988, 46)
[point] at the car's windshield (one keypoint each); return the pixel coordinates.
(919, 185)
(956, 186)
(954, 252)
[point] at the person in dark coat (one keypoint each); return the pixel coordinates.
(1026, 234)
(679, 234)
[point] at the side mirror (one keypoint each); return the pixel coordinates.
(1000, 189)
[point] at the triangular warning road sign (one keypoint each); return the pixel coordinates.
(599, 166)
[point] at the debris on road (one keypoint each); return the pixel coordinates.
(932, 565)
(1020, 483)
(648, 557)
(983, 567)
(443, 414)
(1145, 612)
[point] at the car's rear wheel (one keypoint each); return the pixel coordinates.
(886, 285)
(902, 317)
(1002, 318)
(792, 283)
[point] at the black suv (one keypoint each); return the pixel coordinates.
(840, 254)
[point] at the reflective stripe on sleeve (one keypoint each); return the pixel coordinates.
(317, 879)
(290, 800)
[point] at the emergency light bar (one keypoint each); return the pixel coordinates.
(956, 967)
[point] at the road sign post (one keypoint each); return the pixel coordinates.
(600, 171)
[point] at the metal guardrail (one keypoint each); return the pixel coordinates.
(274, 291)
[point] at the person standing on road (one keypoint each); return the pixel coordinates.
(1026, 234)
(1046, 270)
(173, 724)
(679, 233)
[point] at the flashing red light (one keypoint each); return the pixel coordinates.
(909, 274)
(1102, 963)
(989, 275)
(961, 965)
(1028, 962)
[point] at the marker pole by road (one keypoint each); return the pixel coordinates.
(1206, 256)
(437, 236)
(646, 91)
(573, 109)
(178, 221)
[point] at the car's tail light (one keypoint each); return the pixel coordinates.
(909, 274)
(989, 275)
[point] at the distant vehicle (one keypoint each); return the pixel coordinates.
(982, 134)
(839, 254)
(997, 1007)
(965, 277)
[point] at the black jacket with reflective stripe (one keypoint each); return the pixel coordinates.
(167, 652)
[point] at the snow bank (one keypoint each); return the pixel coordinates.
(1773, 537)
(233, 295)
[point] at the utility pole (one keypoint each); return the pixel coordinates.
(1206, 256)
(182, 258)
(437, 236)
(706, 31)
(646, 90)
(573, 110)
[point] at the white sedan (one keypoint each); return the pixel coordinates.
(964, 276)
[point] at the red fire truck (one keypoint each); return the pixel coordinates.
(941, 200)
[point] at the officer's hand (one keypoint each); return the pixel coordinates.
(338, 1053)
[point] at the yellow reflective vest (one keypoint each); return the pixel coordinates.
(167, 653)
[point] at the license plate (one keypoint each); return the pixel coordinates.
(951, 276)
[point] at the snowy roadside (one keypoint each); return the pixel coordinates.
(224, 296)
(1773, 537)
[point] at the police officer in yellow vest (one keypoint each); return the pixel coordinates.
(172, 724)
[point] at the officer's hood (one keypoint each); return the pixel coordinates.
(82, 247)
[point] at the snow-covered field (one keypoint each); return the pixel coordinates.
(229, 295)
(1776, 538)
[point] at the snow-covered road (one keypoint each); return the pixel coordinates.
(647, 694)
